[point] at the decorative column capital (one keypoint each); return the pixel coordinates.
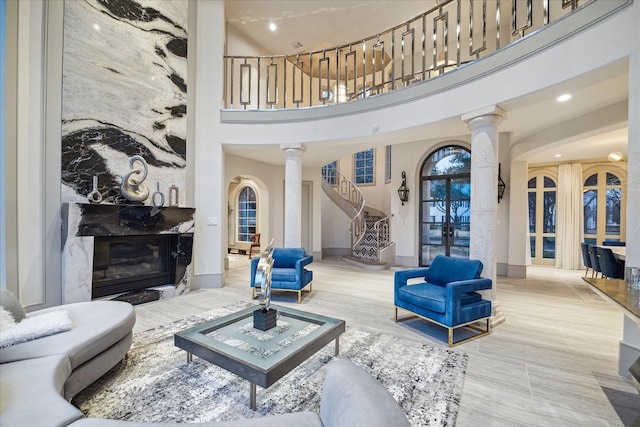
(488, 116)
(293, 148)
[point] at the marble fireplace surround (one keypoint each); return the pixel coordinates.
(81, 223)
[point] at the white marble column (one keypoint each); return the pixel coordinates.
(293, 195)
(484, 195)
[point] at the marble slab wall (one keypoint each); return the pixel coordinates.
(124, 94)
(81, 223)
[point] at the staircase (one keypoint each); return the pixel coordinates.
(369, 227)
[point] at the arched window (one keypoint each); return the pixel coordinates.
(542, 218)
(247, 214)
(603, 210)
(445, 208)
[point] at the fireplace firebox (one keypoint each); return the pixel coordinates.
(131, 263)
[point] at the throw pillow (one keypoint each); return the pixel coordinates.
(35, 327)
(6, 319)
(11, 303)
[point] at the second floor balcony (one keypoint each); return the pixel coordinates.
(451, 35)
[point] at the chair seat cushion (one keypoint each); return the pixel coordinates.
(424, 295)
(283, 275)
(432, 297)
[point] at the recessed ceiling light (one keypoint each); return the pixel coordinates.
(615, 156)
(96, 27)
(557, 155)
(563, 98)
(273, 26)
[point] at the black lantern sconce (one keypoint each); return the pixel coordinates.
(403, 191)
(501, 184)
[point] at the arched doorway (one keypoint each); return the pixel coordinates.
(445, 204)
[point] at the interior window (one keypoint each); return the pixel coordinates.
(247, 214)
(364, 167)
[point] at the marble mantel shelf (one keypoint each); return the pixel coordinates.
(123, 220)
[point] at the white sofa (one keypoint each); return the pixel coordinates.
(39, 377)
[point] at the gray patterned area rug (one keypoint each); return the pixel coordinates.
(156, 384)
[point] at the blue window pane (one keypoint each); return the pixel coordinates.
(591, 181)
(247, 214)
(548, 247)
(532, 212)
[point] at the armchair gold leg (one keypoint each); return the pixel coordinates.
(253, 293)
(299, 296)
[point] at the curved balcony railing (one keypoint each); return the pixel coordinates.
(454, 33)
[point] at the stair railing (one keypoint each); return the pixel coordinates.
(349, 192)
(382, 228)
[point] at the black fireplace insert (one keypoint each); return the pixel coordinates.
(132, 263)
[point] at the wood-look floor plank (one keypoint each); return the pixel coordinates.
(553, 362)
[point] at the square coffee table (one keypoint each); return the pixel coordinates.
(261, 357)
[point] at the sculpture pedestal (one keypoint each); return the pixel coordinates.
(264, 318)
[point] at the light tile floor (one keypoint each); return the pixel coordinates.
(553, 362)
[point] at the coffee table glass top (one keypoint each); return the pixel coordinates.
(234, 335)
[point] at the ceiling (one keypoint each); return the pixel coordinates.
(317, 24)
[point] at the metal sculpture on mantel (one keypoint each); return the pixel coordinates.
(132, 186)
(265, 317)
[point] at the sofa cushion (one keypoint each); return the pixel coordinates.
(283, 275)
(351, 397)
(448, 269)
(424, 295)
(97, 325)
(30, 393)
(11, 303)
(287, 257)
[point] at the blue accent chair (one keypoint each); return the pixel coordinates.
(611, 267)
(288, 272)
(447, 296)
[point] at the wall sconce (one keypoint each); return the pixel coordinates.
(403, 191)
(501, 184)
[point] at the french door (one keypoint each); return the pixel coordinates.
(445, 217)
(445, 204)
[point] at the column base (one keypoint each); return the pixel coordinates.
(497, 317)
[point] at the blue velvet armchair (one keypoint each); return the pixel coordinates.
(288, 272)
(448, 295)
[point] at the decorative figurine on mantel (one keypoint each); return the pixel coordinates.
(157, 198)
(265, 317)
(95, 196)
(132, 186)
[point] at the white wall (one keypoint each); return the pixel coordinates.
(269, 182)
(209, 248)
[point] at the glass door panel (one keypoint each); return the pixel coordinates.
(446, 214)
